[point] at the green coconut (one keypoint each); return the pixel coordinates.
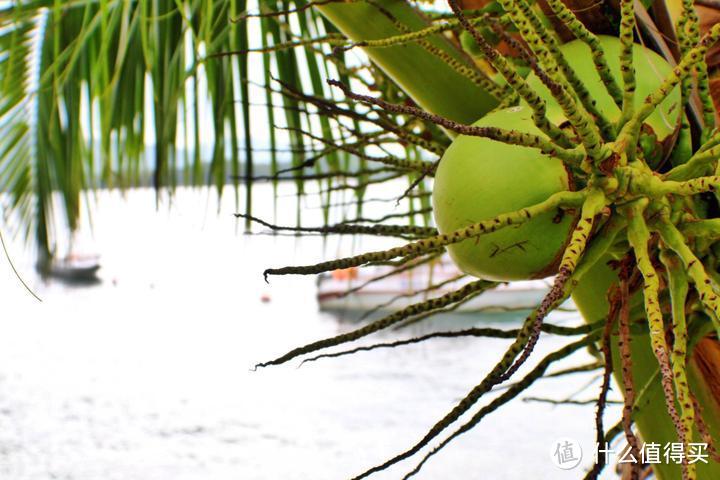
(479, 178)
(650, 70)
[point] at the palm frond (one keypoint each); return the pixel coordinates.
(115, 93)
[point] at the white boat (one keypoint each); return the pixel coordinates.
(340, 290)
(75, 267)
(80, 263)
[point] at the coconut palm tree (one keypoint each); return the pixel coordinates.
(110, 94)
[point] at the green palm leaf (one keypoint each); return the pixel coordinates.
(111, 93)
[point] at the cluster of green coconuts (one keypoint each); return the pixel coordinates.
(479, 178)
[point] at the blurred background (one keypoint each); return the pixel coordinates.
(147, 374)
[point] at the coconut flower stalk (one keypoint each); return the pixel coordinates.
(584, 178)
(573, 158)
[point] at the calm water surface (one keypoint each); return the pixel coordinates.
(147, 375)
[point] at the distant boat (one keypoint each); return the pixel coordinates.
(396, 291)
(73, 268)
(80, 263)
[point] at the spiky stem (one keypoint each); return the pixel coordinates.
(574, 156)
(628, 382)
(678, 286)
(560, 199)
(509, 394)
(385, 322)
(583, 124)
(680, 72)
(402, 231)
(627, 68)
(598, 54)
(469, 332)
(702, 282)
(514, 79)
(639, 237)
(559, 291)
(546, 45)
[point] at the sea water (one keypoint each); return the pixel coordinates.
(148, 374)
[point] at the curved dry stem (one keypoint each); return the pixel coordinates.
(331, 109)
(413, 293)
(491, 379)
(512, 137)
(401, 269)
(510, 393)
(604, 387)
(588, 367)
(594, 253)
(628, 382)
(402, 231)
(384, 322)
(469, 332)
(288, 11)
(449, 309)
(330, 39)
(560, 199)
(594, 203)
